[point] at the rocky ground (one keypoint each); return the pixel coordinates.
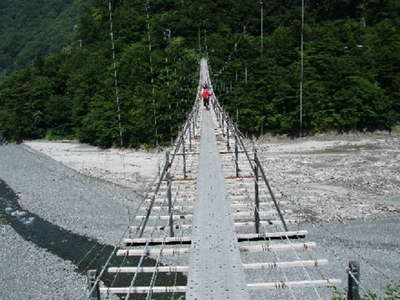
(85, 205)
(82, 204)
(130, 168)
(351, 183)
(29, 272)
(330, 178)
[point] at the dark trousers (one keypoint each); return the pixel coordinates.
(206, 101)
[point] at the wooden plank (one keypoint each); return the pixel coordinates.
(154, 252)
(238, 177)
(262, 223)
(237, 215)
(143, 290)
(179, 201)
(252, 266)
(285, 264)
(162, 228)
(160, 269)
(174, 217)
(157, 241)
(246, 205)
(277, 247)
(272, 235)
(175, 207)
(243, 248)
(243, 237)
(251, 286)
(250, 214)
(187, 198)
(237, 225)
(293, 284)
(183, 179)
(240, 236)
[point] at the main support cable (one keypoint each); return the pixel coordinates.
(147, 6)
(301, 69)
(115, 75)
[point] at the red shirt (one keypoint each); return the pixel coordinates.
(205, 94)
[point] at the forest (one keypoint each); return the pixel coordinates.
(30, 29)
(351, 70)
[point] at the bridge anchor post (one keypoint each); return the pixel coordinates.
(222, 126)
(93, 285)
(236, 156)
(194, 126)
(190, 136)
(170, 211)
(228, 146)
(353, 292)
(184, 158)
(256, 195)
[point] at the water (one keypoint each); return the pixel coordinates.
(83, 252)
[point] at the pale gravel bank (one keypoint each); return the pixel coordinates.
(29, 272)
(131, 168)
(325, 176)
(84, 205)
(330, 178)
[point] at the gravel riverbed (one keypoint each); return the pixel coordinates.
(29, 272)
(344, 189)
(84, 205)
(330, 178)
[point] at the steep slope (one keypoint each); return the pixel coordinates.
(351, 74)
(30, 29)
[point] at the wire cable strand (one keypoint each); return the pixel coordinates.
(116, 86)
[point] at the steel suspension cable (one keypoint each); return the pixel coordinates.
(147, 6)
(301, 69)
(116, 87)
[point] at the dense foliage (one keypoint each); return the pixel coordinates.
(352, 64)
(351, 82)
(72, 94)
(30, 29)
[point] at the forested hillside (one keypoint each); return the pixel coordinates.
(30, 29)
(351, 80)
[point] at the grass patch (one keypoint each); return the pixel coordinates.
(396, 129)
(392, 292)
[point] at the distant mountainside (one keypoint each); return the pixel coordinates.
(351, 67)
(31, 29)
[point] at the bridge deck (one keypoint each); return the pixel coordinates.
(214, 244)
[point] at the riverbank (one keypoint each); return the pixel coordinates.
(92, 208)
(335, 177)
(125, 167)
(82, 204)
(30, 272)
(82, 189)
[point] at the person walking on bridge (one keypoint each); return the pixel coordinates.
(205, 95)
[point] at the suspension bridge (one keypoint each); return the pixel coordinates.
(213, 216)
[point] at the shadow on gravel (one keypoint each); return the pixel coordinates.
(83, 252)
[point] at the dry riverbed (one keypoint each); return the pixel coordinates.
(350, 181)
(330, 178)
(124, 167)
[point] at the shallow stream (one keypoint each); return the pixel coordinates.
(85, 253)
